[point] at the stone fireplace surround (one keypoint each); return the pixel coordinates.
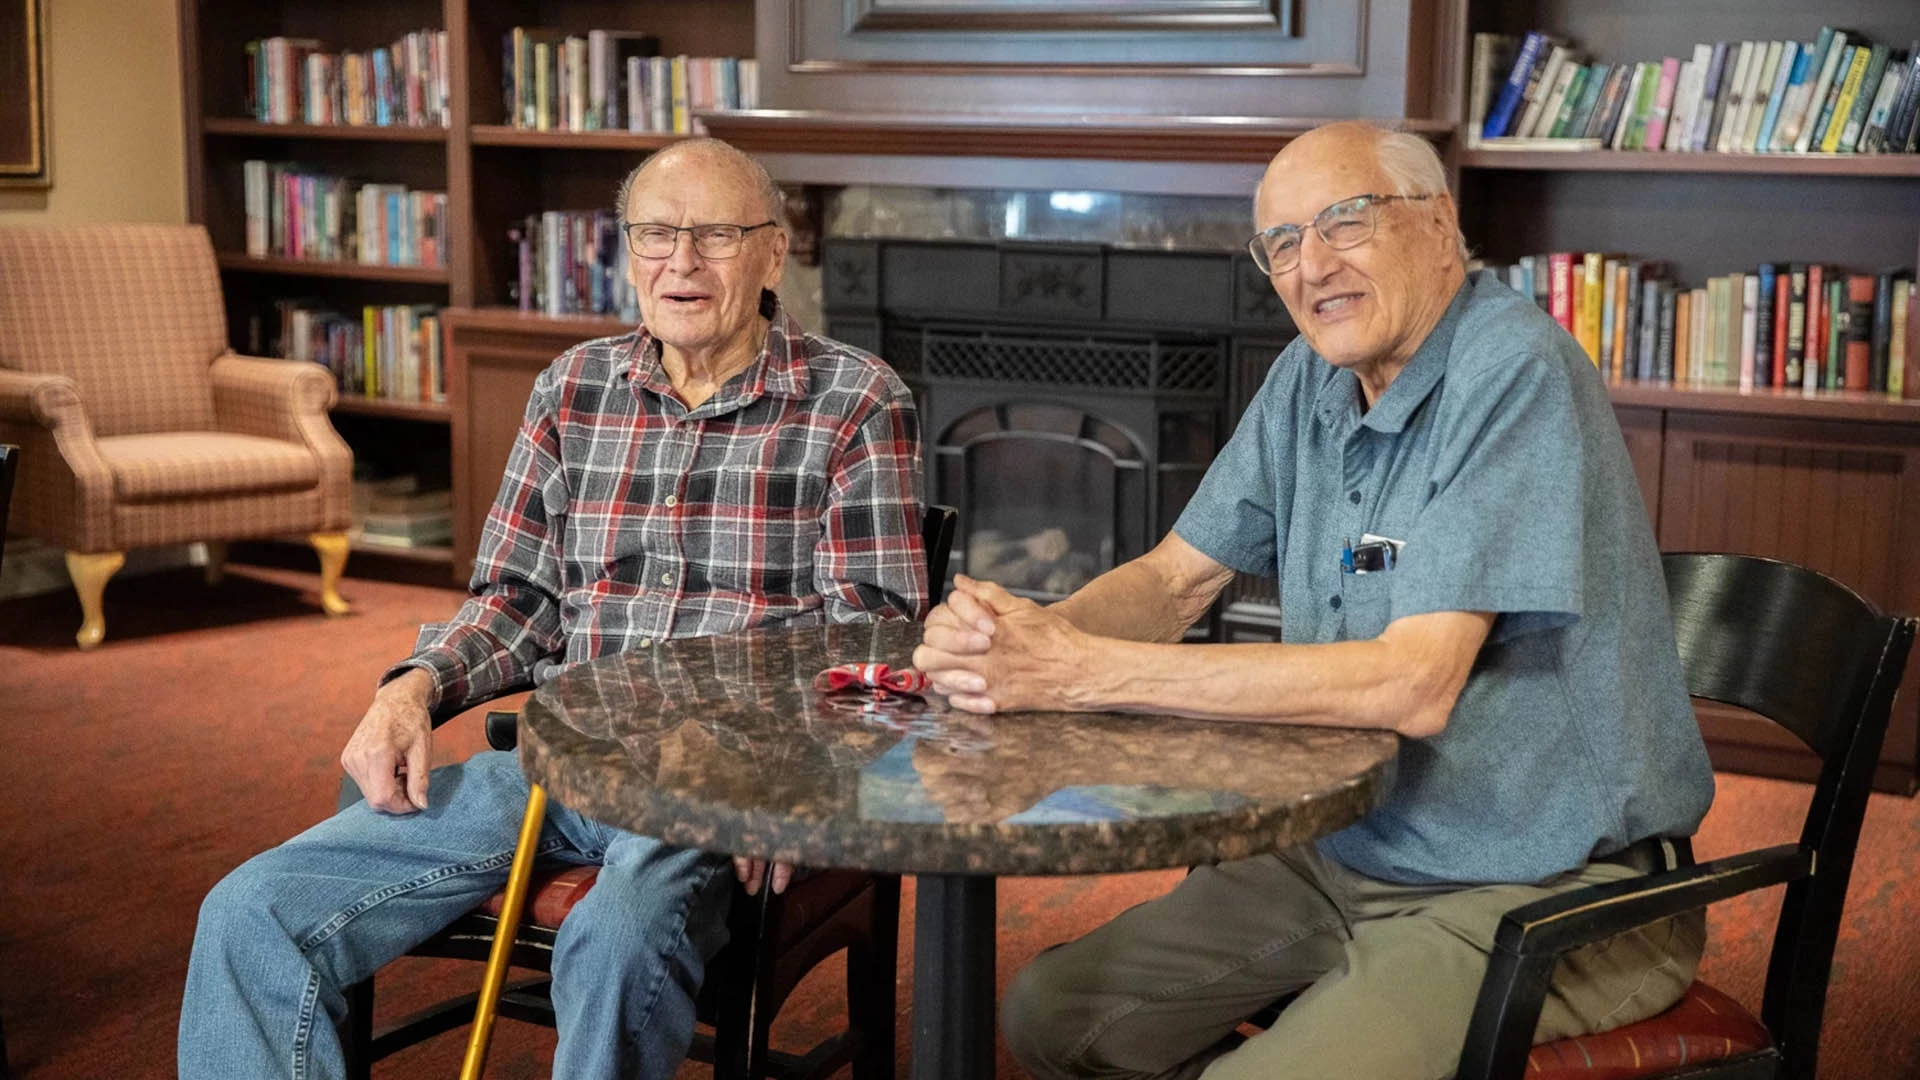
(1076, 368)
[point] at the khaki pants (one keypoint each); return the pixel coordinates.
(1389, 973)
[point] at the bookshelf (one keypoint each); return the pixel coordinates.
(493, 175)
(1830, 479)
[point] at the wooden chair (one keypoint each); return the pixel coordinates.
(1809, 654)
(773, 942)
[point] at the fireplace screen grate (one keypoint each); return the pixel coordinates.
(1102, 363)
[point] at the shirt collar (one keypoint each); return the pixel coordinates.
(779, 371)
(1340, 394)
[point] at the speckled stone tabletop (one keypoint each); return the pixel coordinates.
(722, 743)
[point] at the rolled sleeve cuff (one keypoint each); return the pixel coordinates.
(1219, 547)
(1522, 609)
(442, 664)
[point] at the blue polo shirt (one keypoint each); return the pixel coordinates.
(1495, 457)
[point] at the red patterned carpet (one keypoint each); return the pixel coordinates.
(208, 727)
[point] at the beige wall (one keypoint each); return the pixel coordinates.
(113, 94)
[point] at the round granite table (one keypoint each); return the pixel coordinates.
(722, 743)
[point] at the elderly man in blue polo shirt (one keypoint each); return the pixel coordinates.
(1434, 474)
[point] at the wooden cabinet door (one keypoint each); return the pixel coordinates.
(1644, 431)
(492, 360)
(1838, 496)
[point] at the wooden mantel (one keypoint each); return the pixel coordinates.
(1234, 139)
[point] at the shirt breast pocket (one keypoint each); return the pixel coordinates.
(1367, 602)
(780, 509)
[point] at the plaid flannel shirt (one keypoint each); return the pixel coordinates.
(624, 518)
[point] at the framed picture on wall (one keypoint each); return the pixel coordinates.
(23, 92)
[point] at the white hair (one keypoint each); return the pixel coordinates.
(1413, 166)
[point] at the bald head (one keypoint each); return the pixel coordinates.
(695, 157)
(1383, 161)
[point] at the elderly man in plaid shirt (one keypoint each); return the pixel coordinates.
(717, 470)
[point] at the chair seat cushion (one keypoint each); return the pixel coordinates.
(199, 464)
(550, 895)
(808, 900)
(1705, 1025)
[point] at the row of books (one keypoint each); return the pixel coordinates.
(295, 214)
(398, 511)
(572, 262)
(1809, 326)
(1839, 93)
(615, 80)
(390, 351)
(294, 80)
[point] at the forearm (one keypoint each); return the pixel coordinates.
(1153, 598)
(1358, 684)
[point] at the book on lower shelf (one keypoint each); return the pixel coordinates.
(391, 352)
(396, 512)
(1805, 326)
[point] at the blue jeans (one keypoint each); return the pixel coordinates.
(282, 936)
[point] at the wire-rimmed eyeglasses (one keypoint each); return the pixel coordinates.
(652, 240)
(1347, 223)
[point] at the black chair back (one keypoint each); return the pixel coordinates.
(936, 535)
(1809, 653)
(9, 461)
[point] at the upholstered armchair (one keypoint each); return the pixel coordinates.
(138, 426)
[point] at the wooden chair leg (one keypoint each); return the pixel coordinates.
(872, 971)
(357, 1033)
(518, 878)
(90, 573)
(216, 570)
(332, 548)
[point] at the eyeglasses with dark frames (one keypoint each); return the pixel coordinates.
(652, 240)
(1346, 224)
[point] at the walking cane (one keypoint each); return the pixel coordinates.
(503, 934)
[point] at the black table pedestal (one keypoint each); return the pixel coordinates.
(953, 990)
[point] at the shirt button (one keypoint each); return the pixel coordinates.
(666, 579)
(671, 501)
(1334, 603)
(1353, 497)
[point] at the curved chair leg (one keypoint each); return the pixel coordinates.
(90, 573)
(216, 562)
(333, 559)
(518, 878)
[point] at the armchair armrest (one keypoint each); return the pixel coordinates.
(64, 494)
(46, 399)
(287, 400)
(1533, 937)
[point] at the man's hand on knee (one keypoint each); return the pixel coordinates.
(391, 751)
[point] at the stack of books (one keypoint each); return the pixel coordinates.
(390, 351)
(615, 80)
(395, 512)
(572, 262)
(296, 214)
(1837, 94)
(1801, 325)
(295, 81)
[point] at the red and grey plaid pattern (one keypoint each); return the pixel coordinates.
(792, 495)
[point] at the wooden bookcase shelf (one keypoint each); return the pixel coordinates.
(232, 126)
(428, 412)
(1866, 165)
(424, 275)
(1830, 480)
(503, 135)
(494, 176)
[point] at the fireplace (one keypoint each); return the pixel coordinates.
(1071, 396)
